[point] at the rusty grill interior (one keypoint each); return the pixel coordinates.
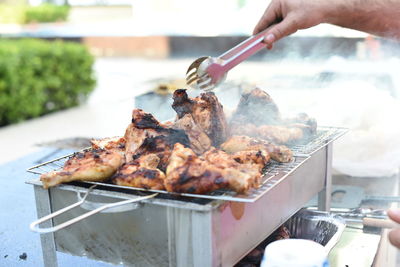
(274, 172)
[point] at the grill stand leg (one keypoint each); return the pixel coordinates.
(43, 208)
(190, 238)
(324, 197)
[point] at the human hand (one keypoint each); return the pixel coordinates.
(394, 235)
(284, 17)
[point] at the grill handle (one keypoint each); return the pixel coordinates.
(34, 226)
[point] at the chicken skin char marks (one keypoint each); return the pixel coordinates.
(96, 165)
(206, 111)
(116, 144)
(187, 173)
(257, 115)
(214, 170)
(237, 143)
(143, 130)
(193, 154)
(141, 173)
(199, 140)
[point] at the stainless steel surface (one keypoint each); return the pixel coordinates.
(43, 208)
(324, 197)
(172, 230)
(208, 72)
(216, 233)
(318, 226)
(34, 226)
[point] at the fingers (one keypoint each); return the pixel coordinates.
(269, 17)
(394, 214)
(280, 30)
(394, 237)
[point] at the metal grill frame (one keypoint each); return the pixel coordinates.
(274, 171)
(210, 242)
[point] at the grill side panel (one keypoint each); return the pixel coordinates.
(134, 238)
(242, 226)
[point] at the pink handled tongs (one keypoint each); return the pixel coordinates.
(208, 72)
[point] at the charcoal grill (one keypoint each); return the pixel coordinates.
(215, 229)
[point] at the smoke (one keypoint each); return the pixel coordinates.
(359, 95)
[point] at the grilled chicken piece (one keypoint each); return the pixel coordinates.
(144, 126)
(187, 173)
(141, 173)
(303, 121)
(273, 133)
(241, 177)
(161, 146)
(116, 144)
(259, 158)
(199, 140)
(257, 115)
(258, 107)
(192, 174)
(280, 134)
(206, 112)
(244, 143)
(95, 165)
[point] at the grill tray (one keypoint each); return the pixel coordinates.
(274, 172)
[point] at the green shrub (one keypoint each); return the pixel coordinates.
(39, 77)
(27, 14)
(46, 13)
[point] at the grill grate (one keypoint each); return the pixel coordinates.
(274, 172)
(324, 135)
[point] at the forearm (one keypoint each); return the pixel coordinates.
(380, 17)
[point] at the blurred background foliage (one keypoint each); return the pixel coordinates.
(39, 77)
(21, 13)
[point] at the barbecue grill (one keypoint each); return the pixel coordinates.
(165, 229)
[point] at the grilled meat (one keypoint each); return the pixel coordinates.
(199, 140)
(141, 173)
(145, 127)
(273, 133)
(95, 165)
(280, 134)
(206, 112)
(116, 144)
(302, 120)
(257, 115)
(192, 174)
(258, 108)
(187, 173)
(161, 146)
(241, 177)
(244, 143)
(259, 158)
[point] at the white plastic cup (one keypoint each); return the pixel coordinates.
(295, 253)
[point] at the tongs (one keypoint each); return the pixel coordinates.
(368, 217)
(208, 72)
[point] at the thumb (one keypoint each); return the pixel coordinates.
(280, 30)
(394, 214)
